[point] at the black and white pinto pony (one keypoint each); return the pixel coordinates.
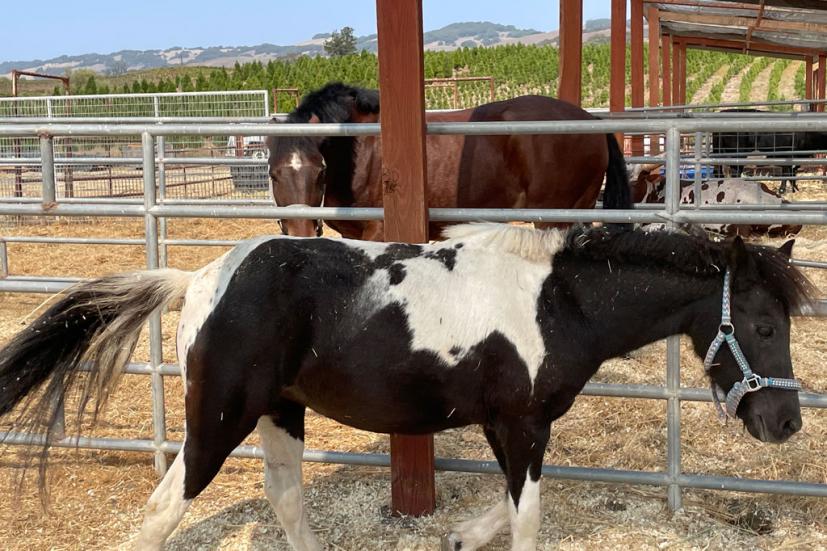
(498, 326)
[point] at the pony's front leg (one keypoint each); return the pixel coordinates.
(523, 443)
(521, 459)
(474, 533)
(524, 513)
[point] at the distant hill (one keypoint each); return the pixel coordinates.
(450, 37)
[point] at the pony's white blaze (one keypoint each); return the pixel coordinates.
(165, 507)
(295, 161)
(204, 293)
(525, 518)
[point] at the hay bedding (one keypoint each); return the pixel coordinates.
(97, 497)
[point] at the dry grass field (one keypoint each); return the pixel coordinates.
(96, 497)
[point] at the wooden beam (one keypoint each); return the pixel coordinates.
(402, 89)
(739, 46)
(666, 57)
(676, 72)
(571, 51)
(808, 80)
(756, 24)
(636, 52)
(617, 83)
(654, 56)
(743, 22)
(822, 80)
(617, 76)
(654, 71)
(682, 76)
(696, 4)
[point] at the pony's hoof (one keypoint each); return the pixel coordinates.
(451, 542)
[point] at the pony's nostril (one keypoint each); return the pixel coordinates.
(792, 426)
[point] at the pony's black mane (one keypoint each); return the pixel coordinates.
(333, 103)
(692, 254)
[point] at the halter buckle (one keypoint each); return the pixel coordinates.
(752, 383)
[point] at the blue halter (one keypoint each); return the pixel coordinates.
(751, 381)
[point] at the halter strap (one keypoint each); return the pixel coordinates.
(751, 381)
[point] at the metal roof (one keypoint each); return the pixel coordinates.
(791, 27)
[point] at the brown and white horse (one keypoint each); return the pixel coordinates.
(498, 326)
(520, 171)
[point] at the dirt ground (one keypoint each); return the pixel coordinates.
(96, 497)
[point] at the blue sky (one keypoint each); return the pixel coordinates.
(48, 28)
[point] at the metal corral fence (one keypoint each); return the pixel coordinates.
(771, 157)
(230, 166)
(109, 166)
(154, 208)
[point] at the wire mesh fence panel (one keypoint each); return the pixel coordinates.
(109, 172)
(248, 103)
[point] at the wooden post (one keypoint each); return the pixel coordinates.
(617, 83)
(666, 56)
(808, 81)
(682, 74)
(402, 89)
(637, 66)
(571, 51)
(617, 77)
(676, 72)
(654, 70)
(822, 79)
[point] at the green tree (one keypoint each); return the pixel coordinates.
(340, 43)
(91, 86)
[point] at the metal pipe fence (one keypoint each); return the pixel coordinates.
(156, 208)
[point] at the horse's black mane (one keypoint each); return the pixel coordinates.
(333, 103)
(693, 255)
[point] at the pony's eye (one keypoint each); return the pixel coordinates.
(765, 331)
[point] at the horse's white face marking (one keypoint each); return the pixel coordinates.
(296, 161)
(525, 519)
(165, 507)
(205, 291)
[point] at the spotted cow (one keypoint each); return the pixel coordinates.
(648, 186)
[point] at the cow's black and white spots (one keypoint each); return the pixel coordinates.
(497, 326)
(651, 188)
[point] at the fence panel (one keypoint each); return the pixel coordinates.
(154, 208)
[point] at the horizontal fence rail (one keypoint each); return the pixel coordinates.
(155, 208)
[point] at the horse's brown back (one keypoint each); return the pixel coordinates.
(519, 171)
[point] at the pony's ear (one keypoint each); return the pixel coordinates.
(738, 256)
(787, 248)
(367, 100)
(314, 119)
